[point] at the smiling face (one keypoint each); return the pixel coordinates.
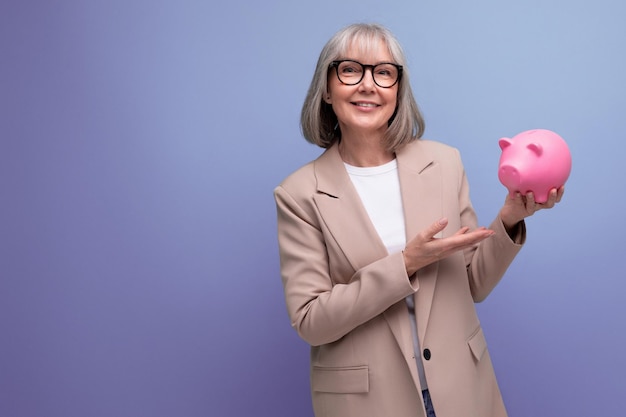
(363, 109)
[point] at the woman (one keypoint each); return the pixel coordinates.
(381, 257)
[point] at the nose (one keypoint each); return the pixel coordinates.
(368, 79)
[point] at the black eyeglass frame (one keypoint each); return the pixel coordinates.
(365, 67)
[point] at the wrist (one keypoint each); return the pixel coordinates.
(508, 221)
(511, 229)
(409, 270)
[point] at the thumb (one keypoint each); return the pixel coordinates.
(436, 227)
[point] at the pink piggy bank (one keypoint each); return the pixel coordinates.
(536, 160)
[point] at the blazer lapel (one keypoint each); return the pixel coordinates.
(344, 213)
(420, 184)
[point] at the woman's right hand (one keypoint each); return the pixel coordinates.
(425, 248)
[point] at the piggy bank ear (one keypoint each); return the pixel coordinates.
(504, 143)
(536, 148)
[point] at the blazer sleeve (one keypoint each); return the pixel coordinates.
(488, 261)
(321, 309)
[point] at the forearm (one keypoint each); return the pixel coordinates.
(492, 257)
(323, 313)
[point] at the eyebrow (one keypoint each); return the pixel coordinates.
(363, 63)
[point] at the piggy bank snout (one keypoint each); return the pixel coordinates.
(509, 175)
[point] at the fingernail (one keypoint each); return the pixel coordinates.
(443, 221)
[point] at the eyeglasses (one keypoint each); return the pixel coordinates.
(349, 72)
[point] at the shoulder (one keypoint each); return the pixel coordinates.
(300, 184)
(423, 153)
(295, 195)
(438, 150)
(326, 174)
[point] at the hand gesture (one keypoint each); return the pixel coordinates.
(425, 248)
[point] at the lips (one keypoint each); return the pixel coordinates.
(365, 104)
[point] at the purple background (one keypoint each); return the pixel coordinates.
(141, 142)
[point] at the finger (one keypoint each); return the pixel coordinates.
(466, 240)
(560, 193)
(551, 198)
(478, 235)
(435, 228)
(465, 229)
(462, 230)
(516, 199)
(516, 196)
(530, 202)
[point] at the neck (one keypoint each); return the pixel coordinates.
(364, 151)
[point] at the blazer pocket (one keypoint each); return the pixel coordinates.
(340, 380)
(477, 344)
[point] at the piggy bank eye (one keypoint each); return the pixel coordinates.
(536, 148)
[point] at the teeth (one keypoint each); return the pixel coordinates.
(366, 104)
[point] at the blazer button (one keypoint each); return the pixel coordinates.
(427, 354)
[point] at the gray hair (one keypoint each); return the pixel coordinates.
(318, 120)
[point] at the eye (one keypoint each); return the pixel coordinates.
(386, 70)
(350, 68)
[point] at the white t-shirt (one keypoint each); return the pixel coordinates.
(379, 189)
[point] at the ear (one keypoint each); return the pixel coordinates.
(536, 148)
(327, 99)
(504, 143)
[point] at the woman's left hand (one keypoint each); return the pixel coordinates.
(517, 207)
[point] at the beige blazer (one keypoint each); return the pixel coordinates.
(345, 294)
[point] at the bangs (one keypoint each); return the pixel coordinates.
(363, 41)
